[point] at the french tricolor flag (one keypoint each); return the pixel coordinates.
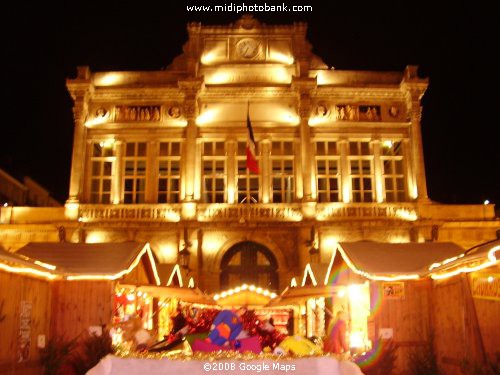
(252, 163)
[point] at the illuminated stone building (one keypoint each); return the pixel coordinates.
(159, 156)
(26, 193)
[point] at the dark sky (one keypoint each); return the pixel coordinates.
(452, 42)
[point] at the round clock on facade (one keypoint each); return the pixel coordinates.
(247, 48)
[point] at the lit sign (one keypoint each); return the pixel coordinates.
(486, 286)
(393, 290)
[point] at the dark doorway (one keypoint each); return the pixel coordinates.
(250, 263)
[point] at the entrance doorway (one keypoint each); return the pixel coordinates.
(251, 263)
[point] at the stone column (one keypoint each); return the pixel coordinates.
(414, 88)
(303, 87)
(80, 89)
(191, 89)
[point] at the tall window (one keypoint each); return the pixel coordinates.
(247, 182)
(327, 170)
(361, 169)
(102, 159)
(251, 263)
(282, 171)
(393, 174)
(214, 172)
(134, 175)
(169, 172)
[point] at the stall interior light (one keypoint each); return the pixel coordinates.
(244, 287)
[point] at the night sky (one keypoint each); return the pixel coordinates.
(452, 42)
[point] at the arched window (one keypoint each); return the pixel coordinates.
(250, 263)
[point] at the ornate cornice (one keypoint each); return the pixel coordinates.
(247, 92)
(138, 94)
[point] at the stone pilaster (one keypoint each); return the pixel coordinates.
(191, 89)
(80, 89)
(303, 87)
(414, 88)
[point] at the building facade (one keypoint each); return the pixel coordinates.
(160, 156)
(27, 193)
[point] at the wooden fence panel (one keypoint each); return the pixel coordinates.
(14, 289)
(448, 321)
(77, 305)
(408, 317)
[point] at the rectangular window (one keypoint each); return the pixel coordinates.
(393, 173)
(214, 168)
(248, 183)
(135, 172)
(101, 160)
(169, 172)
(361, 171)
(327, 170)
(282, 171)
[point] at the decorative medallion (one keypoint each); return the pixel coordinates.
(101, 112)
(393, 111)
(174, 111)
(322, 110)
(248, 48)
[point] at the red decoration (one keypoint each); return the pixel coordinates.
(200, 320)
(255, 327)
